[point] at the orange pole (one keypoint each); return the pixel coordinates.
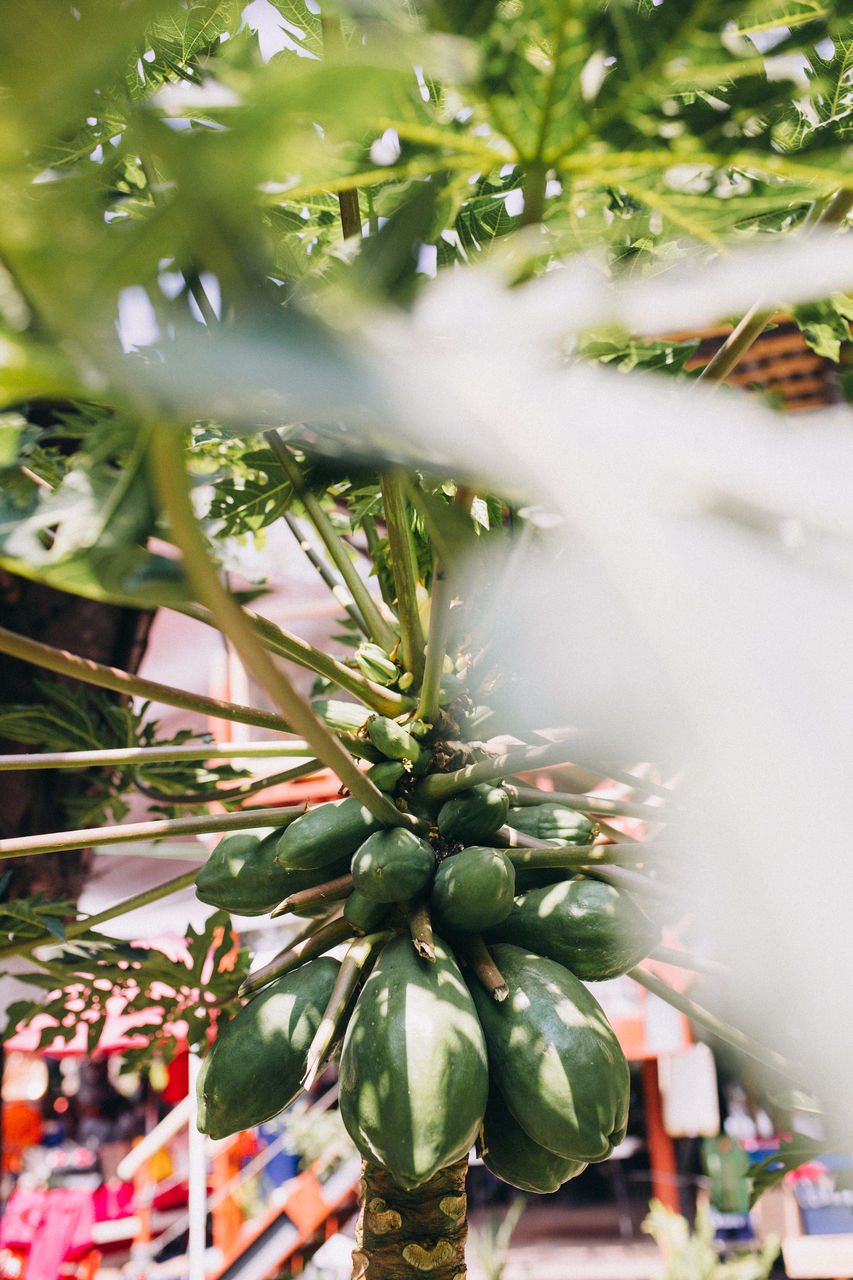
(143, 1189)
(661, 1146)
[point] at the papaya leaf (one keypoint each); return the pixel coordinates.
(251, 496)
(389, 260)
(83, 523)
(825, 325)
(181, 35)
(303, 27)
(22, 909)
(84, 718)
(773, 16)
(793, 1152)
(80, 976)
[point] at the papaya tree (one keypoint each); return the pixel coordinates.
(404, 278)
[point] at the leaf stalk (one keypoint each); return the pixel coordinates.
(441, 601)
(440, 786)
(329, 935)
(122, 756)
(62, 662)
(378, 629)
(358, 958)
(717, 1026)
(126, 833)
(527, 796)
(78, 927)
(405, 574)
(170, 472)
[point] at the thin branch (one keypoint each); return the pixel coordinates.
(746, 332)
(687, 960)
(384, 701)
(626, 779)
(476, 954)
(528, 796)
(359, 956)
(405, 575)
(420, 929)
(443, 547)
(384, 579)
(330, 891)
(440, 786)
(533, 191)
(89, 672)
(126, 833)
(618, 837)
(441, 598)
(723, 1030)
(377, 628)
(634, 882)
(325, 937)
(539, 856)
(339, 591)
(123, 756)
(81, 926)
(753, 324)
(350, 212)
(230, 795)
(200, 297)
(170, 472)
(439, 629)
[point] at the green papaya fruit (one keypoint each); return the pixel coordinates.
(551, 821)
(472, 816)
(393, 865)
(255, 1066)
(364, 914)
(386, 774)
(413, 1076)
(395, 742)
(510, 1154)
(595, 930)
(555, 1057)
(472, 889)
(242, 876)
(346, 717)
(326, 833)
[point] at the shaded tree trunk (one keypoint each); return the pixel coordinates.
(33, 802)
(412, 1235)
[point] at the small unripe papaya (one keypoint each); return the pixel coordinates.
(473, 890)
(393, 865)
(255, 1067)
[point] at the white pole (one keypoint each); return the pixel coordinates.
(197, 1179)
(157, 1138)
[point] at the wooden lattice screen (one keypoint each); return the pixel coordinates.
(781, 362)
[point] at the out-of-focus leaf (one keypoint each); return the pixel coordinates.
(825, 325)
(30, 369)
(389, 259)
(793, 1152)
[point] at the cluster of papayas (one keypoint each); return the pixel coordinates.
(432, 1056)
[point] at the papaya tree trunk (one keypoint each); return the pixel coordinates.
(411, 1235)
(34, 801)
